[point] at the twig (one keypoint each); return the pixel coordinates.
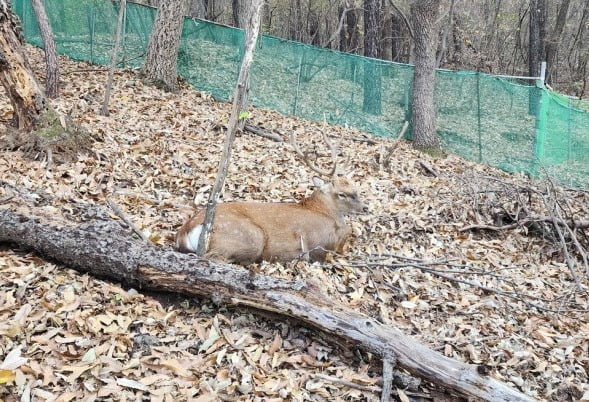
(338, 30)
(569, 260)
(428, 168)
(491, 227)
(512, 295)
(6, 199)
(387, 161)
(262, 133)
(572, 231)
(154, 201)
(364, 139)
(404, 18)
(579, 224)
(122, 215)
(87, 70)
(368, 388)
(427, 267)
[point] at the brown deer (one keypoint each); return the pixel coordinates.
(246, 232)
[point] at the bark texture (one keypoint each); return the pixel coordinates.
(114, 59)
(161, 61)
(386, 37)
(99, 245)
(352, 34)
(553, 43)
(26, 96)
(424, 14)
(537, 47)
(40, 129)
(239, 10)
(52, 66)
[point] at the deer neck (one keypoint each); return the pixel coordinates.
(323, 204)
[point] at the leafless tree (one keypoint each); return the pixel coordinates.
(161, 61)
(52, 66)
(424, 14)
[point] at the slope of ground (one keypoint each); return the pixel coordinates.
(503, 299)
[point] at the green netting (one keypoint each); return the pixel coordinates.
(492, 120)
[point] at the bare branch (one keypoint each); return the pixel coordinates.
(128, 221)
(403, 17)
(340, 26)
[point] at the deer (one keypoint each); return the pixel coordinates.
(246, 232)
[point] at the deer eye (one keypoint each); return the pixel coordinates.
(342, 195)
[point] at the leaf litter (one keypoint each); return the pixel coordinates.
(502, 299)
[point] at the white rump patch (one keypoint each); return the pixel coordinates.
(192, 238)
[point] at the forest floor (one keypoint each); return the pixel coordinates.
(505, 299)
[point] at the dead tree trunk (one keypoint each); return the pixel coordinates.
(26, 96)
(33, 113)
(101, 246)
(52, 67)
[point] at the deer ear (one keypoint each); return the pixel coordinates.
(318, 182)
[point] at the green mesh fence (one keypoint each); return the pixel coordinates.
(492, 120)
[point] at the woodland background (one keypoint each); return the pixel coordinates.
(489, 35)
(484, 267)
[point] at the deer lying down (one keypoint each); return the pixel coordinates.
(246, 232)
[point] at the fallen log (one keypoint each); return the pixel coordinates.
(90, 240)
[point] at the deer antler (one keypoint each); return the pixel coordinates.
(305, 155)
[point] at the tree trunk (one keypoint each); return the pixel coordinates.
(161, 61)
(313, 28)
(536, 46)
(39, 126)
(26, 96)
(457, 39)
(443, 52)
(342, 33)
(554, 42)
(351, 23)
(386, 33)
(424, 14)
(197, 9)
(99, 245)
(372, 73)
(52, 68)
(296, 21)
(114, 58)
(239, 10)
(397, 41)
